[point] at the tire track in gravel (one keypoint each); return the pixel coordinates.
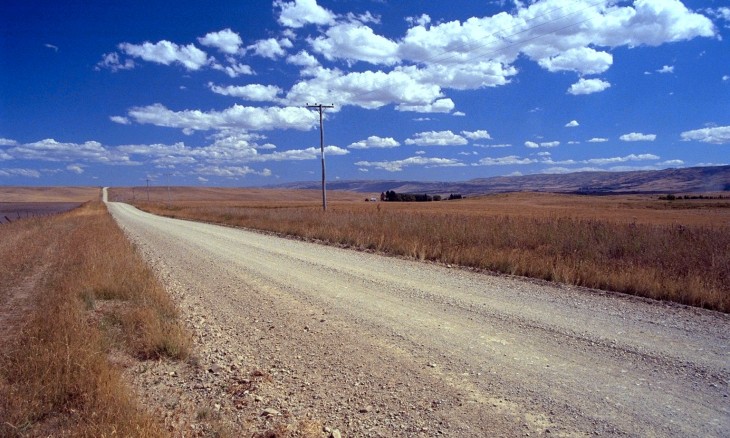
(380, 346)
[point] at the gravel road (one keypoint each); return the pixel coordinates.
(381, 346)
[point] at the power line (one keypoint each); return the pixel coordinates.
(321, 109)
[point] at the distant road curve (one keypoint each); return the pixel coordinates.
(430, 350)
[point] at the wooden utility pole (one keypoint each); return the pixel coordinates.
(169, 197)
(321, 109)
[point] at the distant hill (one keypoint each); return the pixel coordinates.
(686, 180)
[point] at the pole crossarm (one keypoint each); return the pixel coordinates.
(321, 109)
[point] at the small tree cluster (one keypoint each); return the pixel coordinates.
(392, 196)
(671, 197)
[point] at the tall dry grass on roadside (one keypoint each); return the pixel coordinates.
(55, 378)
(685, 264)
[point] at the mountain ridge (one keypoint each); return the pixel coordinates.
(684, 180)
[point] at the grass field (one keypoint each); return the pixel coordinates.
(253, 197)
(23, 202)
(668, 250)
(49, 194)
(73, 292)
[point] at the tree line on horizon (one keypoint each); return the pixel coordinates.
(392, 196)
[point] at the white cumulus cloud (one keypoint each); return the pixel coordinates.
(398, 165)
(356, 42)
(271, 48)
(300, 154)
(29, 173)
(437, 138)
(166, 53)
(572, 124)
(303, 59)
(52, 150)
(230, 171)
(504, 161)
(234, 69)
(637, 136)
(671, 163)
(631, 157)
(588, 86)
(111, 61)
(480, 134)
(75, 168)
(120, 119)
(252, 92)
(583, 60)
(375, 142)
(371, 89)
(226, 40)
(714, 135)
(550, 144)
(544, 144)
(423, 20)
(235, 117)
(561, 170)
(299, 13)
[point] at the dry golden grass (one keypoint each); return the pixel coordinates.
(633, 244)
(49, 194)
(55, 378)
(252, 196)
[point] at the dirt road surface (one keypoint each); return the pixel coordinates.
(380, 346)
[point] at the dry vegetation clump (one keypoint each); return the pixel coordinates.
(686, 264)
(55, 378)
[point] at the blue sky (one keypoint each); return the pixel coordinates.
(215, 93)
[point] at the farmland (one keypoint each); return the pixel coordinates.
(26, 202)
(636, 244)
(375, 345)
(74, 287)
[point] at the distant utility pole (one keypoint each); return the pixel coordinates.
(321, 109)
(148, 189)
(169, 197)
